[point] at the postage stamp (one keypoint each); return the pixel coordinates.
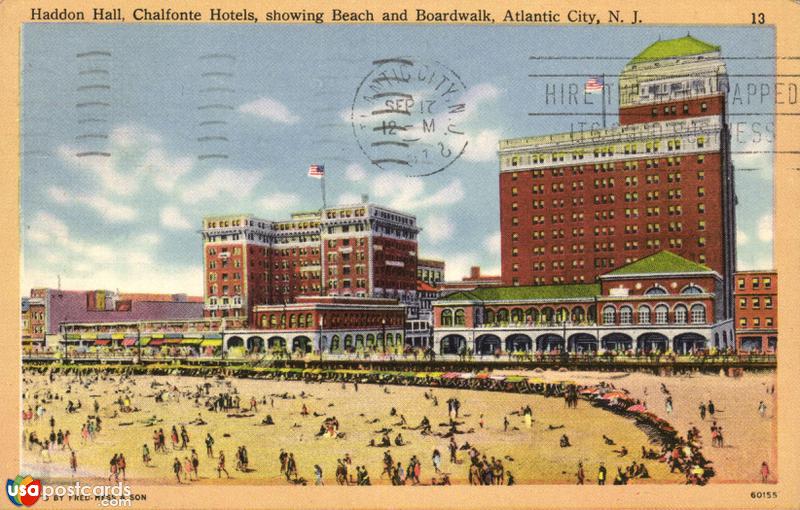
(319, 256)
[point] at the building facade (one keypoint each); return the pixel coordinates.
(430, 271)
(577, 205)
(661, 303)
(361, 250)
(50, 309)
(756, 298)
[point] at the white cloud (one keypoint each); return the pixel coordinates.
(174, 219)
(222, 181)
(457, 266)
(348, 199)
(355, 173)
(112, 212)
(135, 159)
(271, 109)
(492, 243)
(437, 228)
(765, 228)
(482, 146)
(410, 194)
(279, 202)
(147, 239)
(742, 238)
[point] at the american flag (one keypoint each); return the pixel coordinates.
(316, 171)
(594, 84)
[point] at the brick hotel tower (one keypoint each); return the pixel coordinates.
(360, 250)
(577, 205)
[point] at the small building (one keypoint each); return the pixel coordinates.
(660, 303)
(333, 324)
(756, 313)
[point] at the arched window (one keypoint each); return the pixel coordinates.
(680, 314)
(516, 315)
(301, 320)
(309, 320)
(609, 315)
(293, 321)
(488, 316)
(644, 314)
(273, 322)
(656, 290)
(625, 315)
(661, 314)
(562, 315)
(698, 314)
(264, 321)
(447, 317)
(502, 315)
(692, 289)
(460, 319)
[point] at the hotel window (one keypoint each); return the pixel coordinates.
(698, 314)
(701, 158)
(703, 107)
(514, 252)
(685, 108)
(742, 303)
(701, 140)
(768, 302)
(768, 322)
(743, 322)
(680, 314)
(756, 303)
(701, 208)
(701, 225)
(701, 175)
(609, 315)
(701, 191)
(661, 314)
(514, 191)
(515, 221)
(756, 322)
(644, 315)
(514, 176)
(756, 283)
(515, 267)
(767, 282)
(514, 206)
(625, 315)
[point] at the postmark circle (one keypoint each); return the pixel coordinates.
(406, 116)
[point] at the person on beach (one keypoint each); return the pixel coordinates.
(580, 475)
(177, 468)
(73, 462)
(764, 472)
(221, 465)
(145, 455)
(601, 474)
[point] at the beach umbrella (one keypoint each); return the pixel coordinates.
(613, 394)
(467, 376)
(483, 375)
(638, 408)
(498, 377)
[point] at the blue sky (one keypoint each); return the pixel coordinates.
(130, 221)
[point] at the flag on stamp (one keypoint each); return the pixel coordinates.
(316, 171)
(594, 84)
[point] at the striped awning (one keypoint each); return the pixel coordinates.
(128, 342)
(191, 341)
(156, 342)
(102, 341)
(144, 340)
(88, 336)
(211, 343)
(118, 336)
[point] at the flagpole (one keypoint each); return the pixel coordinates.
(322, 184)
(323, 283)
(603, 90)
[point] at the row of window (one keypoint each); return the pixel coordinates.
(756, 302)
(756, 282)
(756, 322)
(660, 315)
(674, 144)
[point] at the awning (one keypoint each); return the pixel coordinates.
(156, 341)
(192, 335)
(191, 341)
(144, 340)
(158, 335)
(105, 336)
(73, 336)
(172, 340)
(211, 343)
(173, 335)
(128, 342)
(212, 335)
(88, 336)
(102, 341)
(118, 336)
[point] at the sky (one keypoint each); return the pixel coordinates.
(284, 93)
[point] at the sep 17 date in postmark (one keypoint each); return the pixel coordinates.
(406, 116)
